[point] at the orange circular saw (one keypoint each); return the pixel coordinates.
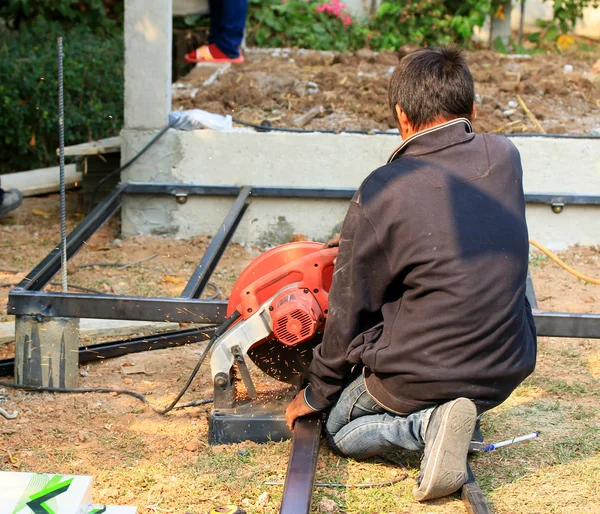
(282, 297)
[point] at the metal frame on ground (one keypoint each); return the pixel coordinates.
(28, 299)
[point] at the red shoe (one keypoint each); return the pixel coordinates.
(210, 53)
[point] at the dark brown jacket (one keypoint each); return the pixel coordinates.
(429, 287)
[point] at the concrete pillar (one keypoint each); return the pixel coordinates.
(148, 41)
(501, 27)
(46, 351)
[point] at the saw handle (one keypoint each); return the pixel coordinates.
(310, 269)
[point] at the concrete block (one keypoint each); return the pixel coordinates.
(65, 494)
(551, 165)
(46, 352)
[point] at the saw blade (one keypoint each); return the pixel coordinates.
(287, 364)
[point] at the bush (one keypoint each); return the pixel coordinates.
(97, 15)
(273, 23)
(93, 81)
(425, 22)
(325, 25)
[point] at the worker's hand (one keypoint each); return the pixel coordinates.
(297, 409)
(333, 242)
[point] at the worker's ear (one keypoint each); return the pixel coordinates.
(474, 113)
(405, 126)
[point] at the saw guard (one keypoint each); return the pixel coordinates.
(305, 263)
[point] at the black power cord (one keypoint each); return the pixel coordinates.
(129, 162)
(218, 333)
(266, 126)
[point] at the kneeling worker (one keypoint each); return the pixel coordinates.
(428, 321)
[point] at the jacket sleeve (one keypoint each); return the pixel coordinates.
(360, 280)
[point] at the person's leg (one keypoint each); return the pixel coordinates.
(228, 20)
(447, 439)
(358, 427)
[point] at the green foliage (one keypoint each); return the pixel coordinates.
(97, 15)
(566, 13)
(426, 22)
(272, 23)
(93, 79)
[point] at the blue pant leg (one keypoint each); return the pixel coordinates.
(228, 20)
(340, 414)
(358, 427)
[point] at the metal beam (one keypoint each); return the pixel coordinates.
(321, 192)
(213, 254)
(559, 198)
(472, 495)
(45, 270)
(257, 191)
(70, 305)
(95, 352)
(300, 476)
(567, 324)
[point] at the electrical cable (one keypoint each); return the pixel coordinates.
(563, 264)
(266, 126)
(218, 333)
(129, 162)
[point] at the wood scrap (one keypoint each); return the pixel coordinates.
(306, 118)
(132, 369)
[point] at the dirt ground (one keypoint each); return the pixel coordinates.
(164, 464)
(561, 91)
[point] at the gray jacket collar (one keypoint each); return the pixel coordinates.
(436, 138)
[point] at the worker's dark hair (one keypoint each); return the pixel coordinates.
(431, 83)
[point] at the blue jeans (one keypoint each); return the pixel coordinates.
(358, 427)
(227, 23)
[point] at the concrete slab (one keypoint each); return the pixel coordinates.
(93, 328)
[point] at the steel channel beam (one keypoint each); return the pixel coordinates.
(257, 191)
(213, 254)
(126, 346)
(45, 270)
(326, 192)
(472, 495)
(567, 324)
(300, 477)
(558, 198)
(71, 305)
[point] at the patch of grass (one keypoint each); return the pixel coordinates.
(538, 261)
(560, 387)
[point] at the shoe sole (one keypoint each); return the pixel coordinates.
(446, 469)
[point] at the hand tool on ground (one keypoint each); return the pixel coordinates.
(282, 301)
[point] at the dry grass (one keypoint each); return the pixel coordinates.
(163, 465)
